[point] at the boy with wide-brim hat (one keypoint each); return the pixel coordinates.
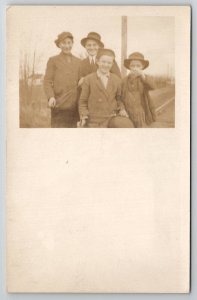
(92, 43)
(135, 90)
(100, 99)
(61, 83)
(136, 56)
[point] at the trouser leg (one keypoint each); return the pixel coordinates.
(64, 118)
(120, 122)
(101, 124)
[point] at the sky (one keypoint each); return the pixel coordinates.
(153, 36)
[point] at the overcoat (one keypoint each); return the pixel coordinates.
(136, 99)
(86, 68)
(61, 81)
(96, 101)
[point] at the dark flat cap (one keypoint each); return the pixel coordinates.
(105, 51)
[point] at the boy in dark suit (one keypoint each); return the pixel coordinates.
(61, 83)
(92, 43)
(135, 91)
(100, 99)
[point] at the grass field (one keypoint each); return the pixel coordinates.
(34, 111)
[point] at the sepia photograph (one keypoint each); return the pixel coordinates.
(98, 211)
(96, 72)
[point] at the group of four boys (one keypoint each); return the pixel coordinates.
(90, 92)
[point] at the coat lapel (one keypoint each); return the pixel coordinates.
(63, 59)
(101, 86)
(109, 85)
(87, 66)
(90, 68)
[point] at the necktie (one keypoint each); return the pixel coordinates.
(92, 65)
(92, 62)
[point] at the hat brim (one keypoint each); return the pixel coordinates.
(84, 40)
(127, 63)
(57, 41)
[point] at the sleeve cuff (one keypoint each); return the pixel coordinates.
(84, 117)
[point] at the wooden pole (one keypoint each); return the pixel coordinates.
(124, 45)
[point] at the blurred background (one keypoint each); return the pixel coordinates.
(152, 36)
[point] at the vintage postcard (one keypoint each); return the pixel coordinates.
(98, 149)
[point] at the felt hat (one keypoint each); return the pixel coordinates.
(136, 56)
(104, 51)
(92, 36)
(62, 36)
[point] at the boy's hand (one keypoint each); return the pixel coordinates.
(123, 113)
(81, 81)
(141, 73)
(83, 121)
(137, 72)
(52, 102)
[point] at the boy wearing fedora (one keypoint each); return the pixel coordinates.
(135, 91)
(100, 99)
(92, 43)
(61, 83)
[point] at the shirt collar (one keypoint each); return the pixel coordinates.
(92, 57)
(99, 74)
(65, 55)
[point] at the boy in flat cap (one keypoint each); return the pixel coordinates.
(135, 88)
(92, 43)
(100, 99)
(61, 83)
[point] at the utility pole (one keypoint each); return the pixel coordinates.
(124, 45)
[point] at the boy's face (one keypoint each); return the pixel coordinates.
(105, 63)
(136, 65)
(92, 47)
(66, 45)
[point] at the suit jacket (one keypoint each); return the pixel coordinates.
(61, 77)
(86, 68)
(98, 102)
